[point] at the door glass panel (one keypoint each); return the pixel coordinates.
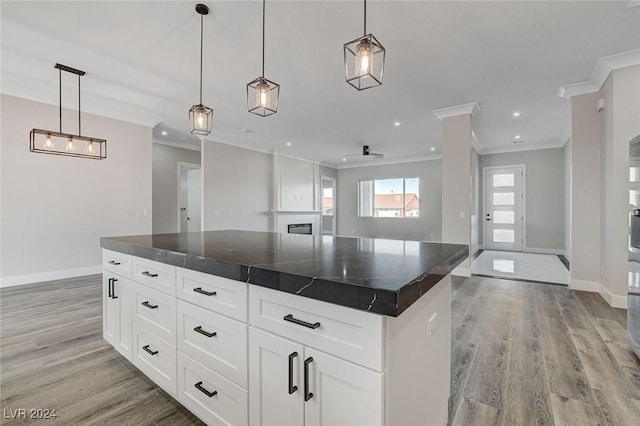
(634, 174)
(504, 235)
(634, 197)
(502, 217)
(504, 198)
(504, 265)
(503, 180)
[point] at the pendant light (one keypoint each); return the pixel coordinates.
(201, 116)
(70, 145)
(364, 60)
(262, 94)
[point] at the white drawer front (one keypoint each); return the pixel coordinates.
(230, 296)
(348, 333)
(117, 263)
(224, 352)
(156, 312)
(229, 404)
(157, 275)
(155, 358)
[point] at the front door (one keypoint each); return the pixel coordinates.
(504, 212)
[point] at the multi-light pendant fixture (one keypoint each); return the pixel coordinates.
(262, 94)
(201, 116)
(43, 141)
(364, 60)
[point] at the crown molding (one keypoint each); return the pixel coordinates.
(600, 73)
(280, 154)
(176, 144)
(521, 147)
(457, 110)
(383, 162)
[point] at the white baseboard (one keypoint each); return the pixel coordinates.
(461, 271)
(613, 300)
(592, 286)
(542, 250)
(49, 276)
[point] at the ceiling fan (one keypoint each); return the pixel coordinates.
(366, 152)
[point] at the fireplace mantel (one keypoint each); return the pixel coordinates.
(283, 218)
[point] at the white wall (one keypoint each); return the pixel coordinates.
(476, 202)
(295, 183)
(237, 188)
(545, 199)
(55, 209)
(165, 185)
(585, 193)
(567, 199)
(620, 123)
(425, 228)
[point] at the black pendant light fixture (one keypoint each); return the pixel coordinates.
(44, 141)
(262, 94)
(201, 116)
(364, 60)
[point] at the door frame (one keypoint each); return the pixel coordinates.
(485, 202)
(181, 167)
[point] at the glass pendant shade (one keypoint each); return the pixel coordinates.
(364, 62)
(65, 144)
(201, 119)
(262, 97)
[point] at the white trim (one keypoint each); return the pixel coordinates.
(177, 144)
(524, 201)
(475, 142)
(613, 300)
(335, 203)
(275, 152)
(543, 251)
(461, 271)
(49, 276)
(601, 72)
(386, 162)
(522, 147)
(454, 111)
(581, 285)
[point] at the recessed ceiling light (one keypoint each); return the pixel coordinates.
(396, 123)
(344, 159)
(288, 143)
(245, 130)
(516, 114)
(433, 148)
(164, 133)
(518, 137)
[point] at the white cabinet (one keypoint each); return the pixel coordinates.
(116, 308)
(294, 385)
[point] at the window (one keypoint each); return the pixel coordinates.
(389, 197)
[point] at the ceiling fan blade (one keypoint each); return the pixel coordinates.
(376, 154)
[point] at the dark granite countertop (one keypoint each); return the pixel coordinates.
(376, 275)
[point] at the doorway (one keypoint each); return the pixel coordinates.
(189, 197)
(504, 207)
(328, 203)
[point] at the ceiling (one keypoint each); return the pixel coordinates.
(141, 59)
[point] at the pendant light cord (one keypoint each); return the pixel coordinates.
(79, 127)
(201, 41)
(60, 95)
(263, 12)
(365, 17)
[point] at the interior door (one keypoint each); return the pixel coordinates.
(193, 200)
(504, 213)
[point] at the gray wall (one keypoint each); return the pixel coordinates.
(237, 188)
(545, 198)
(165, 185)
(54, 208)
(427, 227)
(476, 202)
(328, 172)
(567, 199)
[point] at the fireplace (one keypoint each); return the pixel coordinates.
(300, 228)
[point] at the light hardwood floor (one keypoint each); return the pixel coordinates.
(522, 354)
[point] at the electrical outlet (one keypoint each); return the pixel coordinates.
(463, 214)
(432, 323)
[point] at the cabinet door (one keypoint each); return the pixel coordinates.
(344, 394)
(122, 289)
(272, 360)
(110, 311)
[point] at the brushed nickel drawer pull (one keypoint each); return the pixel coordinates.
(199, 329)
(149, 305)
(204, 391)
(290, 318)
(149, 351)
(149, 274)
(205, 292)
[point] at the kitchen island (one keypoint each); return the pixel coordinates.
(278, 329)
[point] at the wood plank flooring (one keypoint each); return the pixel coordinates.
(522, 354)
